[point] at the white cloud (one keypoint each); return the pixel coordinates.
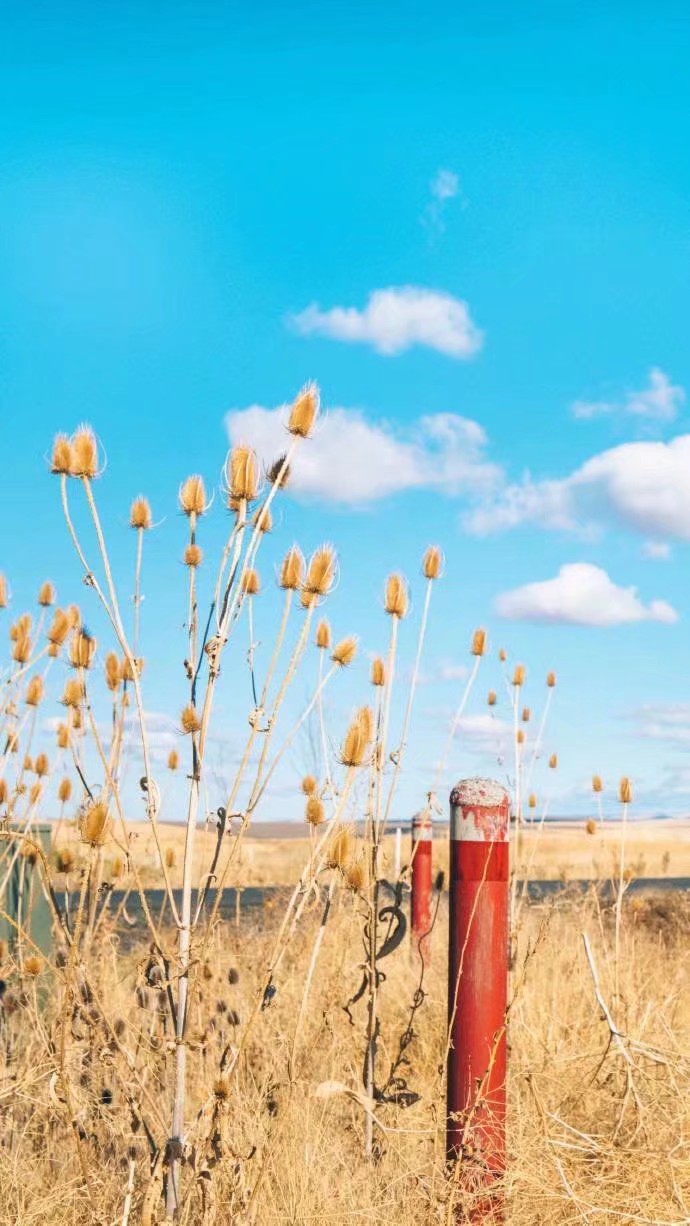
(396, 318)
(660, 401)
(668, 722)
(643, 486)
(352, 460)
(658, 551)
(444, 186)
(581, 594)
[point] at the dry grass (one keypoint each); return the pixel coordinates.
(284, 1142)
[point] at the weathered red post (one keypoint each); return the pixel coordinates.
(478, 986)
(422, 834)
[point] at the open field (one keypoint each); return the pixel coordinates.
(563, 851)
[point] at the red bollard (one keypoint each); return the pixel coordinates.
(478, 987)
(422, 835)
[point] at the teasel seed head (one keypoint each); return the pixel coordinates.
(520, 737)
(532, 800)
(553, 761)
(365, 716)
(192, 556)
(64, 790)
(503, 656)
(221, 1089)
(292, 569)
(345, 651)
(278, 473)
(170, 858)
(3, 592)
(84, 453)
(339, 849)
(321, 572)
(33, 966)
(323, 634)
(111, 669)
(173, 760)
(77, 722)
(491, 698)
(28, 764)
(74, 615)
(34, 691)
(355, 876)
(597, 785)
(192, 496)
(61, 461)
(591, 826)
(73, 693)
(378, 671)
(356, 743)
(478, 642)
(42, 766)
(189, 720)
(46, 594)
(432, 563)
(117, 868)
(94, 823)
(3, 791)
(251, 584)
(140, 514)
(62, 736)
(304, 411)
(29, 853)
(396, 599)
(82, 649)
(35, 793)
(21, 652)
(309, 785)
(59, 628)
(625, 791)
(263, 520)
(242, 474)
(21, 627)
(314, 812)
(526, 714)
(519, 675)
(64, 860)
(550, 680)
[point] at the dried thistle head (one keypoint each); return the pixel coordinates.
(35, 793)
(94, 823)
(304, 411)
(64, 790)
(62, 736)
(396, 600)
(339, 849)
(625, 791)
(4, 597)
(20, 628)
(117, 868)
(597, 784)
(321, 571)
(73, 693)
(292, 569)
(170, 857)
(61, 460)
(192, 556)
(34, 691)
(242, 472)
(356, 743)
(113, 677)
(355, 876)
(478, 642)
(365, 715)
(345, 651)
(251, 584)
(82, 649)
(46, 594)
(59, 628)
(502, 655)
(491, 698)
(309, 785)
(28, 764)
(526, 715)
(74, 615)
(432, 563)
(314, 812)
(378, 671)
(64, 860)
(140, 514)
(21, 650)
(29, 852)
(323, 635)
(550, 680)
(591, 826)
(553, 761)
(520, 736)
(192, 496)
(173, 760)
(278, 473)
(519, 673)
(33, 966)
(84, 453)
(41, 765)
(3, 791)
(263, 520)
(189, 720)
(532, 800)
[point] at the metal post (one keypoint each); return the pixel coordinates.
(478, 986)
(422, 834)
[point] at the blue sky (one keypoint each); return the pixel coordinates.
(202, 206)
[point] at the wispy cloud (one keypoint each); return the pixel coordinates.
(581, 594)
(442, 452)
(396, 318)
(659, 401)
(444, 186)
